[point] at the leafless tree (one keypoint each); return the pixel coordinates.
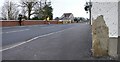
(28, 6)
(39, 10)
(9, 10)
(33, 7)
(3, 13)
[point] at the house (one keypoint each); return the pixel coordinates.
(67, 18)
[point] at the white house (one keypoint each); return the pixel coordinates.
(110, 9)
(67, 17)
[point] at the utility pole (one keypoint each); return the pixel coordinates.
(90, 6)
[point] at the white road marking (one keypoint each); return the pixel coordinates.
(15, 31)
(49, 27)
(35, 25)
(32, 39)
(14, 27)
(23, 26)
(6, 27)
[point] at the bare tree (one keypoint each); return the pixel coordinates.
(33, 7)
(40, 9)
(28, 4)
(3, 13)
(9, 10)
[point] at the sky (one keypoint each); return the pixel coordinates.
(69, 6)
(66, 6)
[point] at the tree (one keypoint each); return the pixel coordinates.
(4, 13)
(82, 19)
(57, 18)
(9, 11)
(43, 9)
(47, 11)
(29, 4)
(38, 10)
(76, 19)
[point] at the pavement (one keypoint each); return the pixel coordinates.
(48, 42)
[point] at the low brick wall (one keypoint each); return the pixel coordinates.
(33, 22)
(5, 23)
(9, 23)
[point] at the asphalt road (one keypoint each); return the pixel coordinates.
(47, 42)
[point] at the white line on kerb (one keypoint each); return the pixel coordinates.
(16, 31)
(32, 40)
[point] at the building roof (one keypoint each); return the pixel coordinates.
(67, 14)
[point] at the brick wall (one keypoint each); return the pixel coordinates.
(33, 22)
(27, 22)
(9, 23)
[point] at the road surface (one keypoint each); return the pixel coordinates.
(47, 42)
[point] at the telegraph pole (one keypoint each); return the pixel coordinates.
(90, 6)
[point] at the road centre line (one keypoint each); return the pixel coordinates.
(15, 31)
(23, 30)
(23, 26)
(14, 27)
(32, 40)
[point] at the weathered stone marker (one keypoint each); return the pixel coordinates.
(100, 36)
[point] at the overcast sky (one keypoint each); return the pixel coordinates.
(65, 6)
(69, 6)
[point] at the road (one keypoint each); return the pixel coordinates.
(47, 42)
